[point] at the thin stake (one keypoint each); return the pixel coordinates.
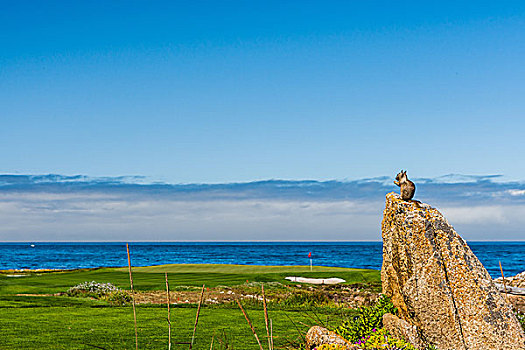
(197, 317)
(225, 342)
(213, 336)
(249, 323)
(266, 318)
(169, 302)
(318, 318)
(296, 327)
(504, 285)
(271, 332)
(133, 299)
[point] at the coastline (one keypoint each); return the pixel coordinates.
(363, 255)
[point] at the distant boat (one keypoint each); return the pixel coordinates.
(32, 245)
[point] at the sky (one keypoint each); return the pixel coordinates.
(219, 92)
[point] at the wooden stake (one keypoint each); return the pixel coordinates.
(266, 318)
(197, 317)
(133, 299)
(213, 336)
(250, 324)
(169, 302)
(271, 332)
(504, 284)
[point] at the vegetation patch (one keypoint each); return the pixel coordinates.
(381, 339)
(521, 319)
(367, 320)
(102, 291)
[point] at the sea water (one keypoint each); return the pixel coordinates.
(49, 255)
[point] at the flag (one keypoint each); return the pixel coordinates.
(309, 254)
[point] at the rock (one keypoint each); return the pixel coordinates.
(438, 284)
(317, 336)
(517, 302)
(517, 281)
(401, 329)
(505, 289)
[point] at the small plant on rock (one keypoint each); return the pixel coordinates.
(381, 339)
(521, 319)
(366, 321)
(330, 347)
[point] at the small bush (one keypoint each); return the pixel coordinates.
(330, 347)
(367, 320)
(103, 291)
(91, 288)
(381, 339)
(521, 319)
(118, 297)
(303, 299)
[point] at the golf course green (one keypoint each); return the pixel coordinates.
(35, 313)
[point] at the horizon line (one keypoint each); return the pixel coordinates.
(237, 241)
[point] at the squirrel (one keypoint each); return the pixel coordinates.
(407, 187)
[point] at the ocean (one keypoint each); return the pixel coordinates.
(368, 255)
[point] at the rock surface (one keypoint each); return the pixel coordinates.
(518, 302)
(514, 281)
(438, 284)
(317, 336)
(401, 329)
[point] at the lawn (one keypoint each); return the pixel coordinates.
(60, 322)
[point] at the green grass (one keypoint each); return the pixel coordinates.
(152, 278)
(59, 322)
(112, 327)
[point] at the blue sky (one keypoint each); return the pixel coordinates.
(240, 91)
(189, 92)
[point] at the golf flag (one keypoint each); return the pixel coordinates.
(309, 254)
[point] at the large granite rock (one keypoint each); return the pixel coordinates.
(438, 284)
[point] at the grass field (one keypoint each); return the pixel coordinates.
(59, 322)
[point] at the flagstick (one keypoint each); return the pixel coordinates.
(310, 265)
(133, 299)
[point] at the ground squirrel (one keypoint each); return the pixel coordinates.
(407, 187)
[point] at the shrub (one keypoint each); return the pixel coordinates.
(330, 347)
(381, 339)
(92, 288)
(367, 320)
(103, 291)
(118, 297)
(303, 299)
(521, 319)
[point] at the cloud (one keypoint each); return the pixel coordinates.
(99, 218)
(79, 208)
(516, 192)
(482, 214)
